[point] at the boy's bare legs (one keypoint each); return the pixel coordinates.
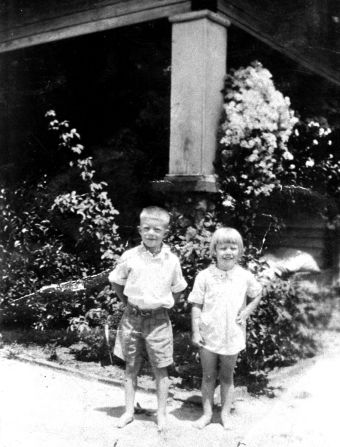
(209, 374)
(227, 367)
(131, 373)
(162, 385)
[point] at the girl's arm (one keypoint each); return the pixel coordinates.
(196, 337)
(248, 310)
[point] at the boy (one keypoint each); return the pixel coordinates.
(148, 279)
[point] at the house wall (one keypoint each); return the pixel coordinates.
(310, 235)
(308, 31)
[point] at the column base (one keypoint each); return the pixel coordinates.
(186, 183)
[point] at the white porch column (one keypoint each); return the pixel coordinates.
(199, 56)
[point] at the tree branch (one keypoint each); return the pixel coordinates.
(86, 285)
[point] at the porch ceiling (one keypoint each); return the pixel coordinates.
(25, 23)
(306, 31)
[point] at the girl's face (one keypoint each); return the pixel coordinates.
(227, 254)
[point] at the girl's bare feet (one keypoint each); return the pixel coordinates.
(202, 422)
(124, 420)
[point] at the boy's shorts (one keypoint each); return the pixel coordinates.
(137, 333)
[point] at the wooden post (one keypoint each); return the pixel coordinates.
(199, 56)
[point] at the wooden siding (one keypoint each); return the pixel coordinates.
(51, 20)
(310, 236)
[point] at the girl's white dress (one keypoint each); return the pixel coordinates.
(223, 294)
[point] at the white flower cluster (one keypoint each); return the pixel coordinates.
(257, 115)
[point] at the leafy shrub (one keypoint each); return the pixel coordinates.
(191, 243)
(91, 346)
(283, 328)
(97, 230)
(255, 130)
(32, 252)
(35, 251)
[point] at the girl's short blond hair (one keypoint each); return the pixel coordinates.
(226, 235)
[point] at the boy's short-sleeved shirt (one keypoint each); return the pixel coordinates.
(149, 280)
(223, 295)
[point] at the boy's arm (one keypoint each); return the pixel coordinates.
(119, 289)
(195, 319)
(178, 283)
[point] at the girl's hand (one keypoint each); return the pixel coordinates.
(197, 340)
(242, 317)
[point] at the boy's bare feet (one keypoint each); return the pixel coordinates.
(202, 422)
(226, 421)
(124, 420)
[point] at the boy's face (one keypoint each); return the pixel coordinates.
(152, 231)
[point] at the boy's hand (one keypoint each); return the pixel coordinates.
(197, 340)
(177, 296)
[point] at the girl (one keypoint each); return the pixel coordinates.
(219, 314)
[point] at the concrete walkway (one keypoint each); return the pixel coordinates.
(40, 407)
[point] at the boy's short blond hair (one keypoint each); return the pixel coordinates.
(155, 212)
(226, 235)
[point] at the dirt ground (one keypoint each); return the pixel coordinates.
(35, 409)
(44, 407)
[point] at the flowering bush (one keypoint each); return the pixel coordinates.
(269, 162)
(253, 151)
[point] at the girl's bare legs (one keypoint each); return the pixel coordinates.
(209, 374)
(162, 385)
(131, 373)
(227, 367)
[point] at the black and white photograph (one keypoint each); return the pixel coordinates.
(169, 223)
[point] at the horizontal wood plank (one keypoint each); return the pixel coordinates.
(93, 20)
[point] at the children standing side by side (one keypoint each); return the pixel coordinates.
(219, 314)
(148, 279)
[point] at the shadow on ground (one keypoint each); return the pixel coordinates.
(141, 414)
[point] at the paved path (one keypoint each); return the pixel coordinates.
(40, 407)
